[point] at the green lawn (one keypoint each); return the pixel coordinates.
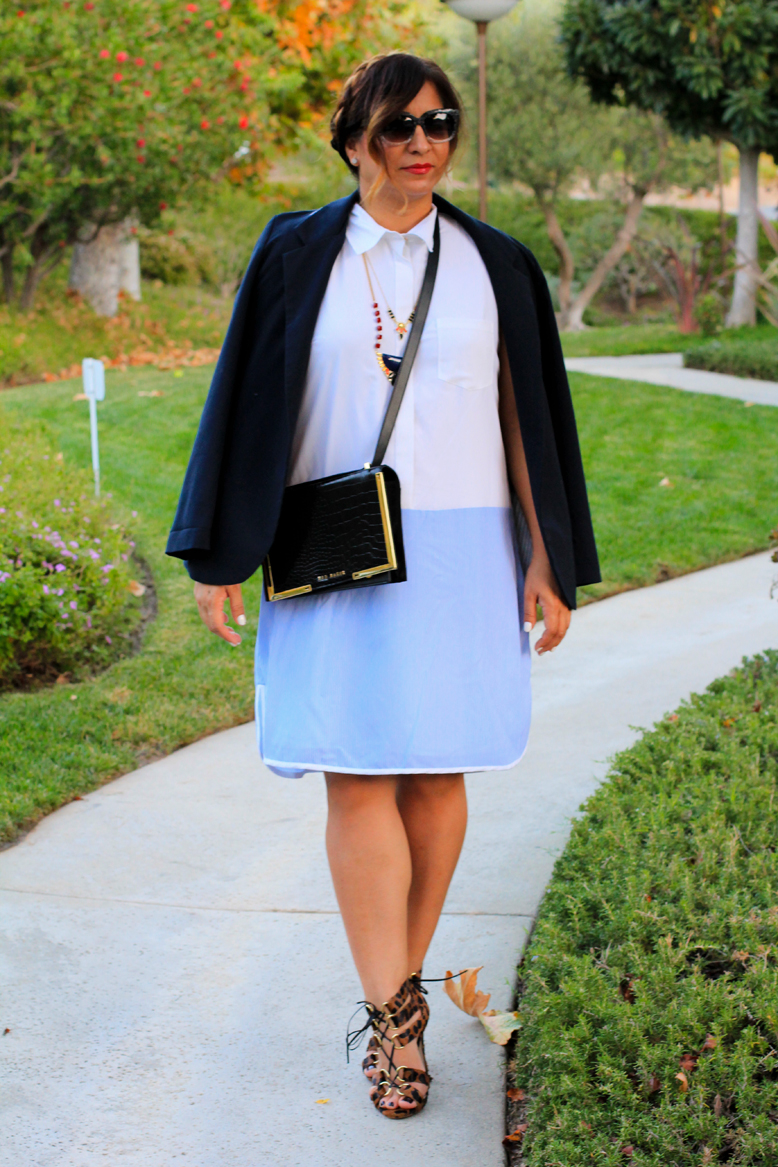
(719, 455)
(650, 987)
(185, 684)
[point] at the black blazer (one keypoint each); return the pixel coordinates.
(231, 497)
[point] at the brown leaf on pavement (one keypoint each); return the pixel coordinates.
(515, 1095)
(499, 1025)
(465, 995)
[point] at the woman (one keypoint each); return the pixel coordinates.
(394, 691)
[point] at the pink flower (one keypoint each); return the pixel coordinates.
(108, 640)
(147, 93)
(225, 4)
(36, 525)
(60, 567)
(57, 503)
(122, 56)
(108, 567)
(140, 62)
(118, 77)
(73, 605)
(45, 589)
(104, 54)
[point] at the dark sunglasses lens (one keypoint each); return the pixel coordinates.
(439, 125)
(398, 131)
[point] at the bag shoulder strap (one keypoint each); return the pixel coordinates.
(411, 348)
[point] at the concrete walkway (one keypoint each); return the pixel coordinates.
(667, 369)
(175, 976)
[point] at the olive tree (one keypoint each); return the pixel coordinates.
(707, 69)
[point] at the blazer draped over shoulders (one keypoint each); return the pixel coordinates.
(231, 497)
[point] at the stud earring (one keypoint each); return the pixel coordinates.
(353, 161)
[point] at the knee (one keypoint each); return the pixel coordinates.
(349, 792)
(433, 788)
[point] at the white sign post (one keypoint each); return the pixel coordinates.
(93, 372)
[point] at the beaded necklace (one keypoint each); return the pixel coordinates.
(388, 365)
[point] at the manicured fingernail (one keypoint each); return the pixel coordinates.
(527, 626)
(240, 620)
(235, 643)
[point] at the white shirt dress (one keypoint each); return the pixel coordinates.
(431, 675)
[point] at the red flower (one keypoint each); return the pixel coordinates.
(219, 35)
(163, 206)
(239, 65)
(147, 93)
(243, 123)
(196, 82)
(140, 62)
(89, 7)
(220, 121)
(191, 8)
(141, 142)
(157, 64)
(211, 55)
(205, 124)
(122, 57)
(21, 12)
(187, 89)
(141, 158)
(104, 53)
(170, 232)
(209, 24)
(118, 77)
(225, 4)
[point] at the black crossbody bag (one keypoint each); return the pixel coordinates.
(345, 531)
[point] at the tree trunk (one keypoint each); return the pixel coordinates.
(32, 277)
(572, 321)
(742, 310)
(105, 263)
(7, 262)
(562, 248)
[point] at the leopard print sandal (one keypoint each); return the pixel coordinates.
(370, 1061)
(402, 1020)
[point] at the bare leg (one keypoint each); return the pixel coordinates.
(370, 863)
(434, 812)
(393, 844)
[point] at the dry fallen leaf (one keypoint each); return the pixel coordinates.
(137, 589)
(688, 1063)
(718, 1106)
(628, 1151)
(80, 397)
(465, 995)
(516, 1135)
(707, 1157)
(665, 482)
(321, 1101)
(499, 1025)
(653, 1084)
(757, 707)
(515, 1095)
(683, 1082)
(710, 1042)
(626, 990)
(748, 404)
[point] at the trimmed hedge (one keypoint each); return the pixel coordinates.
(650, 988)
(742, 356)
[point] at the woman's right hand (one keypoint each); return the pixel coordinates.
(210, 604)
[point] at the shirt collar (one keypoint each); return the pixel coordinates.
(363, 232)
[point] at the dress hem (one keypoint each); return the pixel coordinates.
(318, 768)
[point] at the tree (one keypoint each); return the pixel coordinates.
(708, 69)
(112, 108)
(548, 134)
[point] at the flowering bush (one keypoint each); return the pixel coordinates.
(65, 603)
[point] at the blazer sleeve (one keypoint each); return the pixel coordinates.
(587, 567)
(191, 530)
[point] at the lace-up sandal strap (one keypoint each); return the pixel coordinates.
(403, 1081)
(407, 1014)
(370, 1060)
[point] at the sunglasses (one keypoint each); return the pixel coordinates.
(439, 125)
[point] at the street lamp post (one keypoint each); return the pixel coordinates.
(481, 12)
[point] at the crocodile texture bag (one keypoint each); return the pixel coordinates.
(345, 531)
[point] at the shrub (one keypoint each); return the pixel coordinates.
(742, 356)
(65, 571)
(710, 314)
(650, 988)
(166, 258)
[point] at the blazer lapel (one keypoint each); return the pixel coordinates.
(306, 273)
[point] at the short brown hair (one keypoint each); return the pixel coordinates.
(377, 91)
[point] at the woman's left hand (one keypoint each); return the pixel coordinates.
(540, 587)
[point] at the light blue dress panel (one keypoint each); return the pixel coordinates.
(431, 675)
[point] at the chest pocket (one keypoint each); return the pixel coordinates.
(467, 352)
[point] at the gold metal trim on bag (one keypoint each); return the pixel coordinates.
(272, 594)
(383, 503)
